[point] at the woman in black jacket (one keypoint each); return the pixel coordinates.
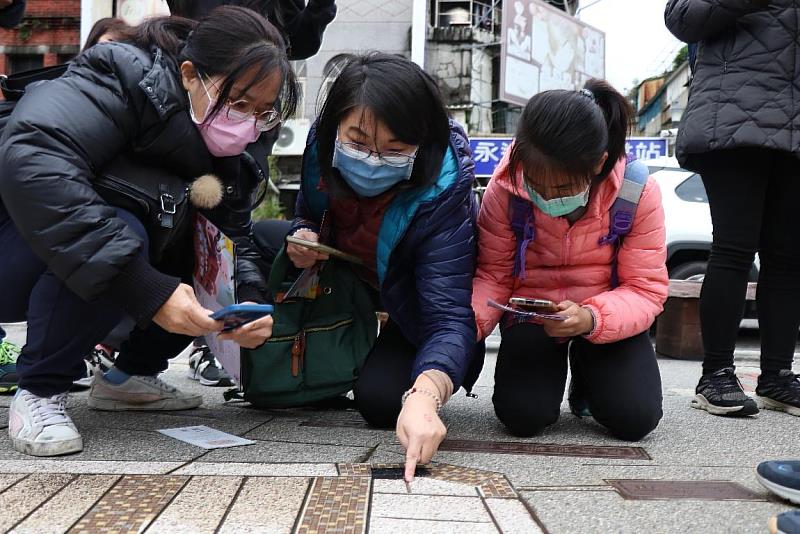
(183, 97)
(741, 131)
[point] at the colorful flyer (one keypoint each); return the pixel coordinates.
(214, 285)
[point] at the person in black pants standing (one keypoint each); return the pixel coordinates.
(740, 131)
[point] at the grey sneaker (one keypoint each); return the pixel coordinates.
(139, 393)
(781, 392)
(40, 426)
(721, 393)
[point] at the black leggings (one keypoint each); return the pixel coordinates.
(754, 194)
(386, 375)
(620, 381)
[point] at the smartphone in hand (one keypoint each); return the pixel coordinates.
(534, 305)
(237, 315)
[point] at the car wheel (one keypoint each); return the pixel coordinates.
(694, 270)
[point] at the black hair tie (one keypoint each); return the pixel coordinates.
(588, 94)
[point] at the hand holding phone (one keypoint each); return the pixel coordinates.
(237, 315)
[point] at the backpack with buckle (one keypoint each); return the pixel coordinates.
(318, 345)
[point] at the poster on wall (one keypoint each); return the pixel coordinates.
(133, 12)
(545, 48)
(215, 260)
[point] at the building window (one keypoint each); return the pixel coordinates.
(482, 14)
(23, 62)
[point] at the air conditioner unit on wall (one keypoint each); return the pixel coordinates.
(292, 138)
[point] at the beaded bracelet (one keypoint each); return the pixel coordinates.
(427, 392)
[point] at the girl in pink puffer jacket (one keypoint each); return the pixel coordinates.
(569, 160)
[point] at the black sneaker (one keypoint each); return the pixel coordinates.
(204, 368)
(721, 393)
(101, 357)
(780, 392)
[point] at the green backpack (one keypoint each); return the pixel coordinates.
(318, 347)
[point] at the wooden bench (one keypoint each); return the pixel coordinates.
(678, 328)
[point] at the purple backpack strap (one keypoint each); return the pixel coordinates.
(624, 209)
(523, 227)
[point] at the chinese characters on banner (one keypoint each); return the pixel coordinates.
(488, 151)
(214, 286)
(647, 147)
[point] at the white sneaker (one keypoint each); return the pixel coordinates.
(40, 426)
(139, 393)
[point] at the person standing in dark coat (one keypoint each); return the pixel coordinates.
(741, 131)
(182, 96)
(302, 24)
(11, 12)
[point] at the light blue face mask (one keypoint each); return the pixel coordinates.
(368, 176)
(559, 206)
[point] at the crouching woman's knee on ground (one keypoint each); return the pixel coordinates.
(392, 177)
(550, 229)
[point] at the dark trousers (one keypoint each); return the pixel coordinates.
(386, 375)
(754, 195)
(270, 236)
(621, 382)
(63, 328)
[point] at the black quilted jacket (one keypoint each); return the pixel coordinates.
(745, 91)
(114, 98)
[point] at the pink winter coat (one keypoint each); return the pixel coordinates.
(567, 263)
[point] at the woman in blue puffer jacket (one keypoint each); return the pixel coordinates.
(394, 177)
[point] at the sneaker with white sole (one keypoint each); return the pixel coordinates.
(781, 477)
(40, 426)
(204, 368)
(139, 393)
(721, 393)
(780, 392)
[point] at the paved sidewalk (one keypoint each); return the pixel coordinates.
(325, 471)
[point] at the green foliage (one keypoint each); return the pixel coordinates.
(269, 209)
(681, 57)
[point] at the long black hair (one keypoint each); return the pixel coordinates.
(109, 25)
(230, 42)
(562, 135)
(399, 94)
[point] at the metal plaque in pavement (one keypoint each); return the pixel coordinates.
(546, 449)
(704, 490)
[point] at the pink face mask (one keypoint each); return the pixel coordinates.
(223, 136)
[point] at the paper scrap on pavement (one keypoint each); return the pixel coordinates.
(205, 437)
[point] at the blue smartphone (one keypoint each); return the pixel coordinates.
(237, 315)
